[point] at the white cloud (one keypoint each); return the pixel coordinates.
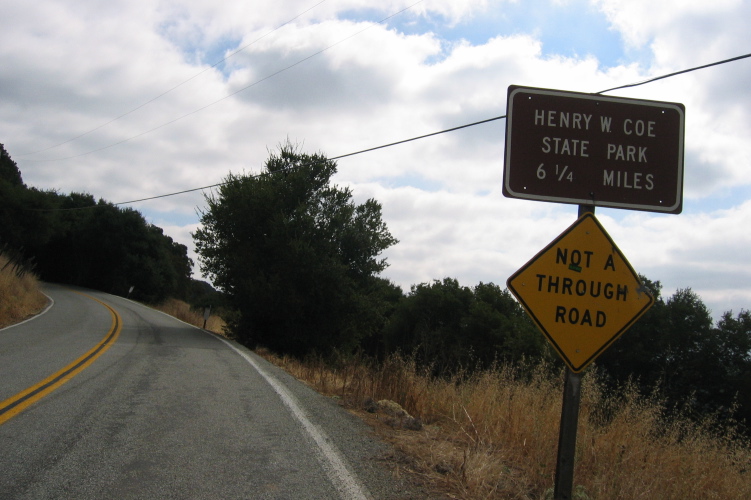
(642, 22)
(71, 67)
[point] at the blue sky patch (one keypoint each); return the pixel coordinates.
(571, 29)
(197, 50)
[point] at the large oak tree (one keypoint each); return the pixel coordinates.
(296, 256)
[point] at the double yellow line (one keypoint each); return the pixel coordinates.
(18, 403)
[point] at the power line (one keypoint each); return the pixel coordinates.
(676, 73)
(173, 88)
(73, 209)
(151, 197)
(644, 82)
(418, 137)
(174, 120)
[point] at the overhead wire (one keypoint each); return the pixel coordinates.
(173, 88)
(676, 73)
(432, 134)
(272, 75)
(417, 138)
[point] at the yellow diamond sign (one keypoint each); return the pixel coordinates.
(581, 292)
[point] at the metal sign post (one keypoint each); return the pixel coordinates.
(206, 316)
(564, 468)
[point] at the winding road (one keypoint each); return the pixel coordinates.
(101, 397)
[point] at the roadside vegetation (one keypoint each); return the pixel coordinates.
(76, 239)
(184, 312)
(664, 414)
(493, 433)
(298, 265)
(19, 291)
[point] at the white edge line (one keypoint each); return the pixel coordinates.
(334, 464)
(49, 306)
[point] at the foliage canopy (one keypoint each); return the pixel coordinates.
(451, 327)
(297, 258)
(674, 349)
(77, 240)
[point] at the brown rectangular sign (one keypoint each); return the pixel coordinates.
(589, 149)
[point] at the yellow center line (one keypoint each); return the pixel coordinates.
(18, 403)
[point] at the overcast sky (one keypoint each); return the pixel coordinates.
(128, 99)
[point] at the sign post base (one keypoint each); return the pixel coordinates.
(564, 471)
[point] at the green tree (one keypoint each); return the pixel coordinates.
(430, 323)
(450, 327)
(101, 246)
(76, 240)
(692, 345)
(9, 169)
(498, 327)
(296, 257)
(734, 363)
(675, 348)
(640, 352)
(26, 223)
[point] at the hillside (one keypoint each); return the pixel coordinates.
(20, 296)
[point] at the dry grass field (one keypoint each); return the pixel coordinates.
(19, 295)
(182, 311)
(494, 434)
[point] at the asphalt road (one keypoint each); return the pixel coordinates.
(160, 409)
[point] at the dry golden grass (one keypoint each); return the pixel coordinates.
(20, 297)
(494, 434)
(182, 311)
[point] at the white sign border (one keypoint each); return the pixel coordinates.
(584, 201)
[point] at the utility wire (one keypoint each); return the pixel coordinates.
(170, 122)
(644, 82)
(418, 137)
(72, 209)
(173, 88)
(676, 73)
(329, 159)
